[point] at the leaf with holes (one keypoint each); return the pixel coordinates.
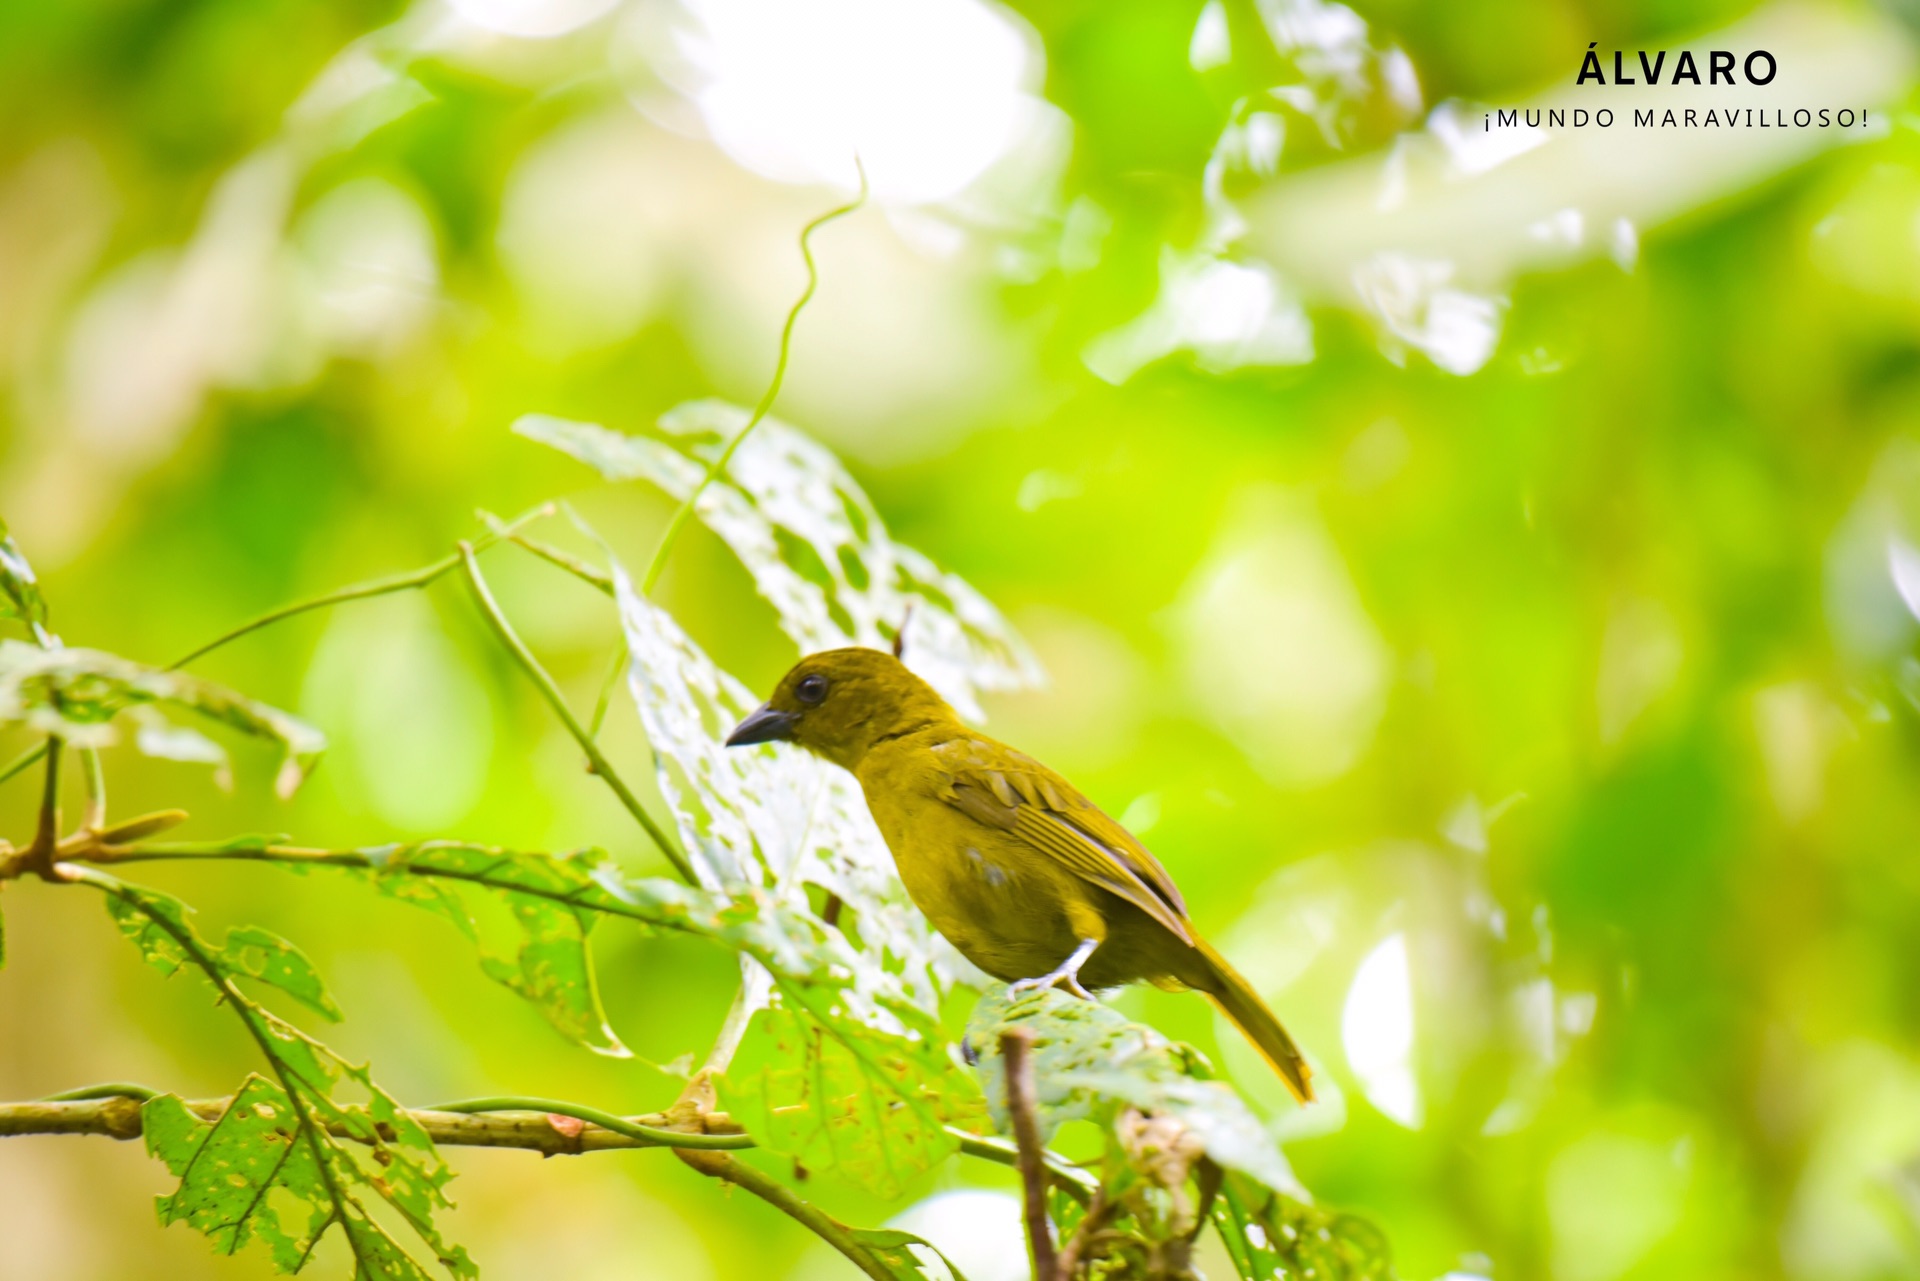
(229, 1170)
(1092, 1062)
(1268, 1235)
(77, 693)
(551, 964)
(813, 542)
(906, 1256)
(296, 1136)
(834, 1094)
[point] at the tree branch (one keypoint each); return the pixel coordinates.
(551, 692)
(373, 587)
(1023, 1108)
(118, 1117)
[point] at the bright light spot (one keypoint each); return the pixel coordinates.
(1576, 1013)
(1611, 1199)
(1276, 645)
(1376, 1028)
(1640, 659)
(1471, 149)
(1455, 329)
(1212, 43)
(928, 93)
(1041, 486)
(372, 267)
(980, 1231)
(1143, 815)
(1903, 562)
(532, 18)
(1228, 314)
(1624, 244)
(1798, 730)
(1563, 229)
(587, 231)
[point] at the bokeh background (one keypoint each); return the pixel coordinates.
(1481, 564)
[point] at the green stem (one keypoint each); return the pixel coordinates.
(107, 1090)
(605, 1120)
(96, 779)
(23, 762)
(604, 702)
(551, 692)
(362, 591)
(719, 465)
(781, 1198)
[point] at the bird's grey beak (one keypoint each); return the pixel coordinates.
(764, 726)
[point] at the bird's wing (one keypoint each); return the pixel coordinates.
(1002, 788)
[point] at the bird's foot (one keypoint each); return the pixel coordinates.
(1058, 978)
(1066, 974)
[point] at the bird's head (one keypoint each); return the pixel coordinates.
(840, 703)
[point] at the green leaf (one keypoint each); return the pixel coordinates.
(229, 1170)
(842, 1017)
(19, 590)
(296, 1160)
(77, 693)
(1092, 1062)
(833, 1094)
(813, 542)
(270, 959)
(1269, 1235)
(552, 965)
(896, 1251)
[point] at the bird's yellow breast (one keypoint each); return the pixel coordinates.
(1003, 905)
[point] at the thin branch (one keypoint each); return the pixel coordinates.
(1023, 1108)
(604, 702)
(551, 692)
(23, 762)
(38, 857)
(362, 591)
(117, 1115)
(639, 1131)
(718, 1165)
(113, 1110)
(598, 579)
(95, 815)
(1099, 1213)
(719, 465)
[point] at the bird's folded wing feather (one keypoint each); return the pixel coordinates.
(1002, 788)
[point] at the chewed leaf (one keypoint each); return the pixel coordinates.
(289, 1160)
(552, 965)
(76, 693)
(842, 1018)
(906, 1256)
(813, 542)
(270, 959)
(871, 1106)
(1091, 1061)
(229, 1171)
(19, 590)
(1270, 1235)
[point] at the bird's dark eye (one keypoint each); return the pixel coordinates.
(811, 690)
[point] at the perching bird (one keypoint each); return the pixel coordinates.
(1019, 871)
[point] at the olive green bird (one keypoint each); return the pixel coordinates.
(1020, 872)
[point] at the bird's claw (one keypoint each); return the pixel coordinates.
(1059, 978)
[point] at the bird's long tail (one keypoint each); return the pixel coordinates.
(1239, 1002)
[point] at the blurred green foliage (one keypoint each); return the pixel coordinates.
(1587, 676)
